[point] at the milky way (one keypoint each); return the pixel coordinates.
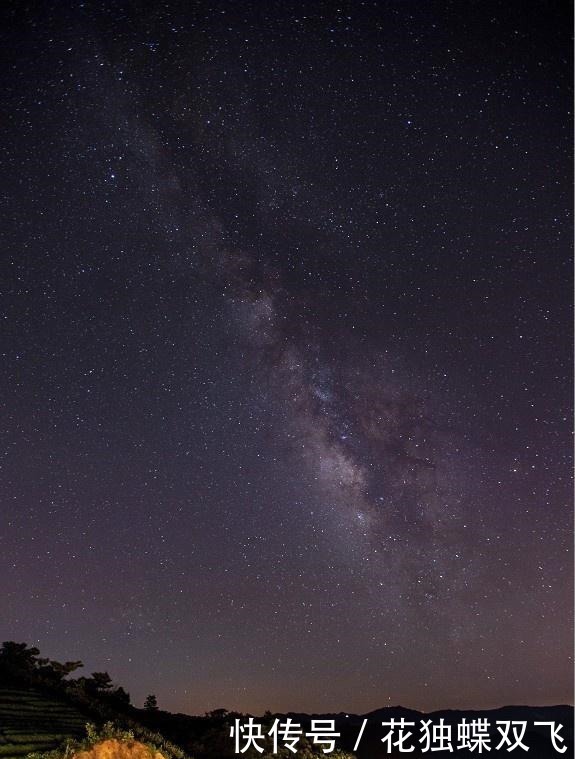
(286, 324)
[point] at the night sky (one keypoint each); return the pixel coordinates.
(285, 335)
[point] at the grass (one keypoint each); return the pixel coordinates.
(33, 722)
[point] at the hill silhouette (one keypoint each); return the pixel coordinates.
(42, 708)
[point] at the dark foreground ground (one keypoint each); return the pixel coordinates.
(33, 720)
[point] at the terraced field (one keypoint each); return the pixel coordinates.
(31, 721)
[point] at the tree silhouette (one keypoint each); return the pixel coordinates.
(17, 657)
(55, 671)
(120, 696)
(18, 661)
(151, 703)
(102, 681)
